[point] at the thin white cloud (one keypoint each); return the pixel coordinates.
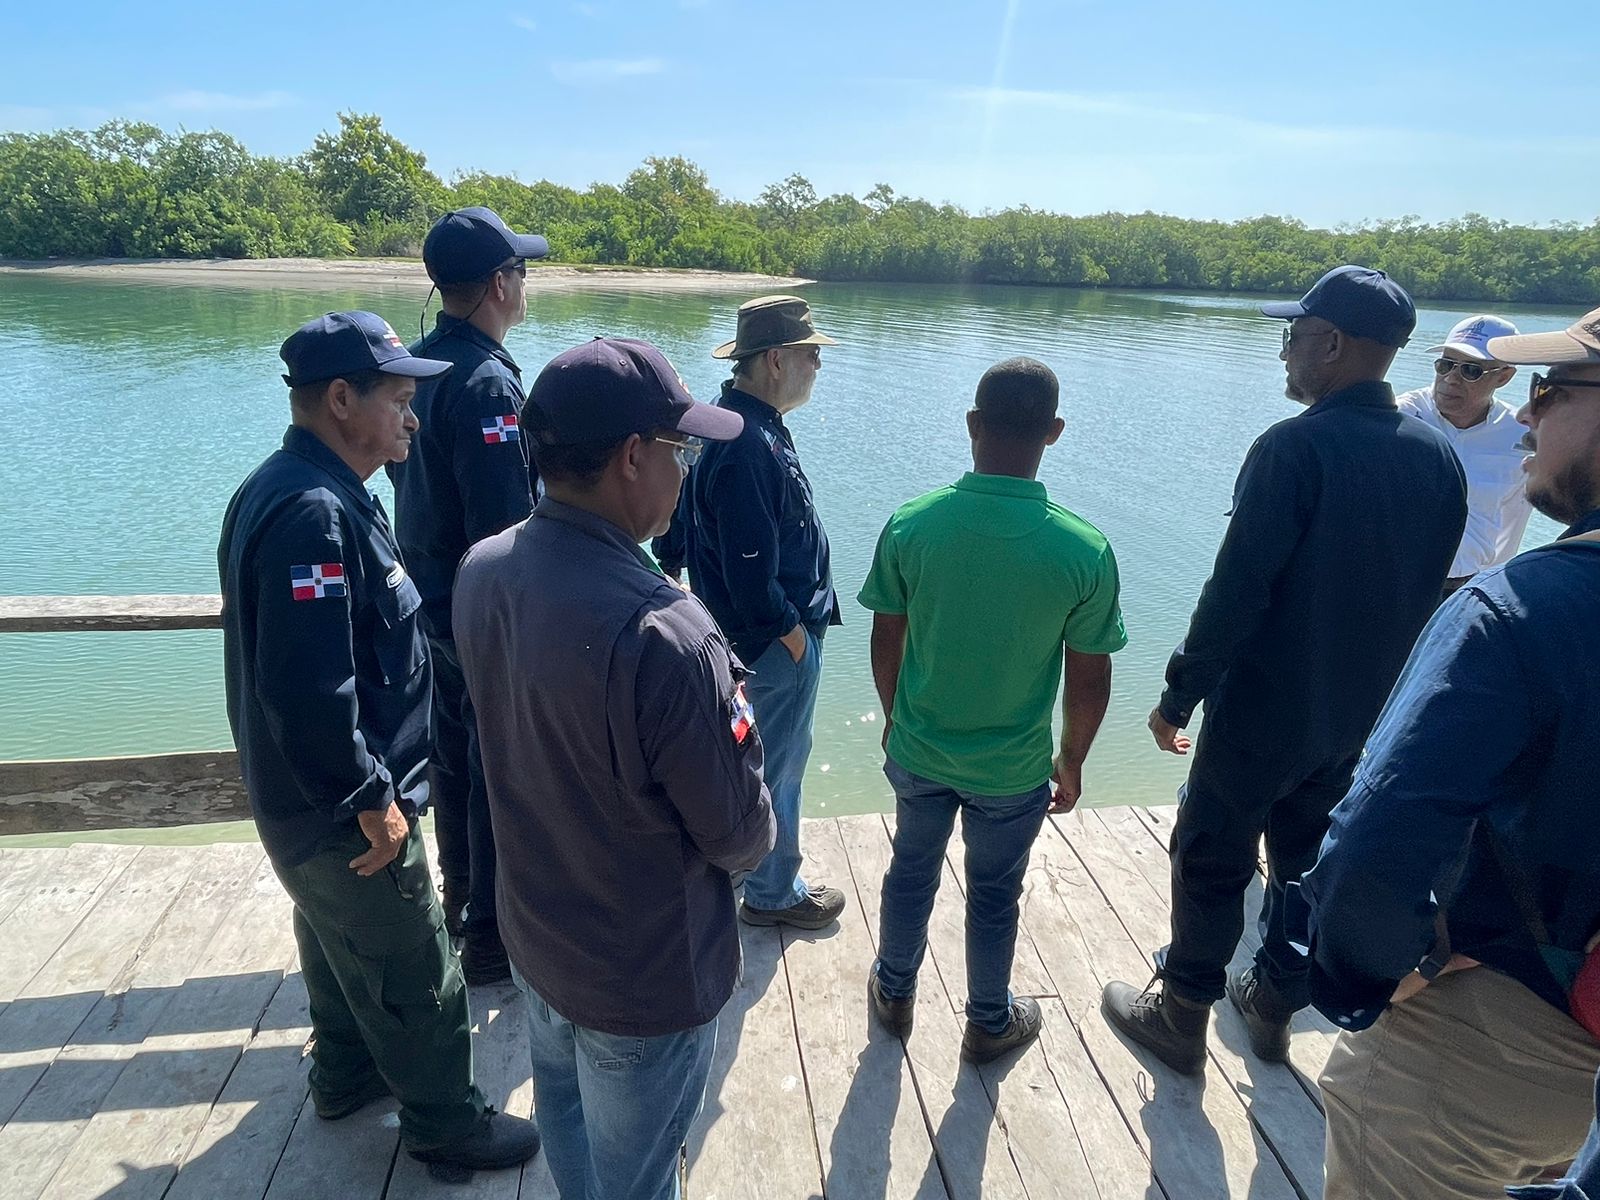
(605, 70)
(522, 22)
(204, 102)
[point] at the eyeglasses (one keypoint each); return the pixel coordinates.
(1290, 337)
(686, 451)
(814, 353)
(1469, 371)
(1543, 392)
(518, 266)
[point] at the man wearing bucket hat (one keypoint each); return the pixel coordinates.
(758, 556)
(328, 690)
(1483, 431)
(1455, 906)
(624, 770)
(1344, 520)
(466, 478)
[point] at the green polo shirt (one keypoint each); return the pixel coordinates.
(994, 580)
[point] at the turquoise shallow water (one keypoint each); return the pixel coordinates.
(133, 410)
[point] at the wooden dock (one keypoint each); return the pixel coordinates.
(153, 1026)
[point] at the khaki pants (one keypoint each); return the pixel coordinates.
(1472, 1085)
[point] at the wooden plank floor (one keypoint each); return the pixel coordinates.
(153, 1027)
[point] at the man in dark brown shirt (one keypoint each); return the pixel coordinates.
(623, 769)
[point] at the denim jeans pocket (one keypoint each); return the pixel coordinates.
(617, 1053)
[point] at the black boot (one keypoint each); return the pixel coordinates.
(1265, 1014)
(496, 1142)
(979, 1046)
(1170, 1027)
(894, 1015)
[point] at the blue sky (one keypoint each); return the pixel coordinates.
(1328, 113)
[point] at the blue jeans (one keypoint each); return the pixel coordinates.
(999, 832)
(783, 694)
(614, 1111)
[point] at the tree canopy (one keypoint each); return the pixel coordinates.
(132, 190)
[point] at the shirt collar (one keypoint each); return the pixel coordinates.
(1001, 485)
(596, 527)
(444, 325)
(744, 402)
(1587, 525)
(1372, 394)
(302, 443)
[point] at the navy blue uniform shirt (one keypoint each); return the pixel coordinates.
(327, 672)
(467, 475)
(1345, 519)
(749, 532)
(624, 773)
(1485, 753)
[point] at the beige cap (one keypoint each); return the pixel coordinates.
(1577, 343)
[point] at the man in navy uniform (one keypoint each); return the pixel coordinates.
(758, 557)
(328, 689)
(466, 479)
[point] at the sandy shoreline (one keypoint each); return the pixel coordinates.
(348, 272)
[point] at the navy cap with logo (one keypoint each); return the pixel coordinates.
(467, 245)
(343, 343)
(1356, 300)
(608, 388)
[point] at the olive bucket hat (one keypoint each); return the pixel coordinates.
(768, 322)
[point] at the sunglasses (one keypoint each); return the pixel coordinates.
(1290, 337)
(520, 267)
(1543, 392)
(687, 452)
(1469, 371)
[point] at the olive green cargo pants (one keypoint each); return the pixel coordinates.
(387, 996)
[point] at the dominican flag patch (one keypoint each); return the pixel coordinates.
(501, 429)
(316, 581)
(744, 717)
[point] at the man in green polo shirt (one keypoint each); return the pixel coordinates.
(980, 591)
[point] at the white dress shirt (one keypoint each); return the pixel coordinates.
(1497, 506)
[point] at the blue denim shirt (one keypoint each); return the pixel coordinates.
(328, 681)
(748, 530)
(1484, 754)
(467, 476)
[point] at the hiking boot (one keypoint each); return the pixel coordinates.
(496, 1142)
(1170, 1027)
(1265, 1015)
(337, 1108)
(455, 904)
(483, 956)
(979, 1046)
(894, 1015)
(820, 908)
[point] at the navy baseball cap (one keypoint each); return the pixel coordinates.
(608, 388)
(1356, 300)
(467, 245)
(343, 343)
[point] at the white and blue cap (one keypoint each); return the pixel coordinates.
(1470, 338)
(339, 344)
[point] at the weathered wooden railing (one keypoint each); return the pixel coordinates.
(145, 791)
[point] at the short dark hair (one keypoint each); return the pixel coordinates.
(465, 293)
(1018, 399)
(308, 396)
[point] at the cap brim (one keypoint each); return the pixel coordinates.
(1546, 349)
(413, 367)
(726, 350)
(529, 245)
(1464, 350)
(710, 422)
(1286, 310)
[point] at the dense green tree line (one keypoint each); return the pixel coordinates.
(132, 190)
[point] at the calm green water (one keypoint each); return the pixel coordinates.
(133, 410)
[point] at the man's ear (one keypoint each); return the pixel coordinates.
(974, 423)
(340, 399)
(1057, 428)
(630, 457)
